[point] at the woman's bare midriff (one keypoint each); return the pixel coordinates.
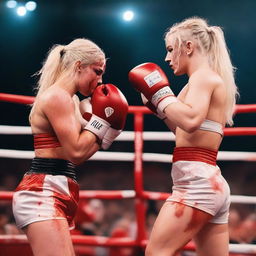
(199, 138)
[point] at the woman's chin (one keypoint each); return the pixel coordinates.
(178, 72)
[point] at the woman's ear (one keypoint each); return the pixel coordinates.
(78, 66)
(189, 47)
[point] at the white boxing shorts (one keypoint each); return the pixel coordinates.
(197, 182)
(41, 197)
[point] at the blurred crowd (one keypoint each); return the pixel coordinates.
(117, 218)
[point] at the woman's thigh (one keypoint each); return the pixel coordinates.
(50, 237)
(175, 226)
(213, 239)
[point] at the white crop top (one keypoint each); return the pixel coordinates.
(212, 126)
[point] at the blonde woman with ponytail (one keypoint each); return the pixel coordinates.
(198, 207)
(66, 133)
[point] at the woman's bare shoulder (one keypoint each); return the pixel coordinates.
(205, 76)
(53, 96)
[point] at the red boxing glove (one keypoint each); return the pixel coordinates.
(150, 80)
(109, 108)
(109, 103)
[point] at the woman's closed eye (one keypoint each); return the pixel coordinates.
(98, 72)
(169, 50)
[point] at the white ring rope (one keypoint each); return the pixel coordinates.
(124, 136)
(237, 199)
(121, 156)
(242, 248)
(8, 129)
(126, 156)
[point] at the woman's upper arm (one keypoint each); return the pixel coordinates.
(192, 108)
(60, 111)
(199, 95)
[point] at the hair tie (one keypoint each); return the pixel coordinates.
(209, 30)
(62, 52)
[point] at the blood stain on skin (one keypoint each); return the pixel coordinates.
(179, 209)
(195, 219)
(179, 204)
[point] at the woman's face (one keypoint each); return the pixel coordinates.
(90, 77)
(175, 56)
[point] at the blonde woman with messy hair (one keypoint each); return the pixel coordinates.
(66, 133)
(199, 205)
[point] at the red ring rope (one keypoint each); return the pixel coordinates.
(22, 99)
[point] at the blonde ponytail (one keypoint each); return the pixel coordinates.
(50, 70)
(221, 63)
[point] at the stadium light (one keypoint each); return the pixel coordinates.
(30, 6)
(11, 4)
(128, 15)
(21, 11)
(21, 8)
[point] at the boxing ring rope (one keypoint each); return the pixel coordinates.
(140, 196)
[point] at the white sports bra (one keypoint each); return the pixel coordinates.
(212, 126)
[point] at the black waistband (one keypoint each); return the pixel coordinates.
(53, 166)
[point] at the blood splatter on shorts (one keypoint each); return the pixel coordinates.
(199, 184)
(41, 197)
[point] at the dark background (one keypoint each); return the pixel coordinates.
(24, 42)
